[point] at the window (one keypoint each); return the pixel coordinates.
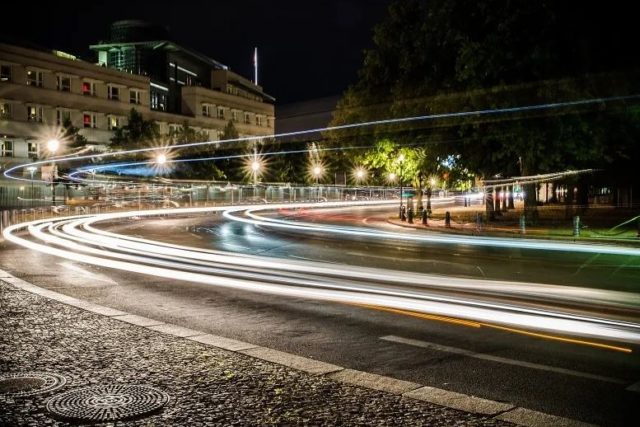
(64, 83)
(32, 149)
(62, 116)
(113, 93)
(269, 122)
(247, 118)
(34, 114)
(89, 88)
(221, 113)
(258, 121)
(6, 148)
(34, 78)
(5, 73)
(114, 122)
(5, 110)
(158, 101)
(135, 97)
(89, 120)
(234, 115)
(206, 110)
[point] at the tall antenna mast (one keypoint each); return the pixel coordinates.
(255, 65)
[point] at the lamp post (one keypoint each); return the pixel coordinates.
(401, 161)
(255, 168)
(53, 145)
(317, 171)
(31, 170)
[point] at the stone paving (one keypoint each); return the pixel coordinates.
(207, 386)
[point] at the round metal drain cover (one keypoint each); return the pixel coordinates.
(109, 402)
(21, 384)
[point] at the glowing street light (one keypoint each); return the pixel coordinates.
(53, 145)
(392, 177)
(161, 159)
(360, 174)
(317, 172)
(255, 166)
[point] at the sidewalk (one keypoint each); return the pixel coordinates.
(205, 385)
(462, 224)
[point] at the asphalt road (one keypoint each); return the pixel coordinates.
(566, 379)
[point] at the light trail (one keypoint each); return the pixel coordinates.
(512, 243)
(76, 238)
(477, 113)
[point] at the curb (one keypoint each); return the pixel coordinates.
(499, 410)
(514, 235)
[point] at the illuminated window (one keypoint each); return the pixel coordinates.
(89, 120)
(135, 97)
(247, 118)
(34, 78)
(34, 114)
(32, 149)
(234, 115)
(158, 101)
(220, 112)
(89, 88)
(206, 110)
(6, 148)
(114, 122)
(5, 110)
(62, 116)
(5, 73)
(64, 84)
(258, 120)
(269, 122)
(113, 93)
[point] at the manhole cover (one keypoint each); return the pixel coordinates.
(107, 402)
(20, 384)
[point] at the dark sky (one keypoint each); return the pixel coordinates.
(307, 49)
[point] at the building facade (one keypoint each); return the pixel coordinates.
(171, 85)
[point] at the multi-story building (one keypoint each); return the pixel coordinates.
(168, 84)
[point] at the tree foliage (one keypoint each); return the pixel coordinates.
(137, 133)
(443, 56)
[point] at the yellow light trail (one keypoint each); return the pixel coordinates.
(502, 328)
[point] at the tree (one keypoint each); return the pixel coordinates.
(205, 169)
(137, 133)
(71, 135)
(441, 56)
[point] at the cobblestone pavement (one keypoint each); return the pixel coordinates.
(207, 386)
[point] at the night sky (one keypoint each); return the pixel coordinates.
(307, 49)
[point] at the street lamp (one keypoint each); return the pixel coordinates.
(31, 170)
(53, 145)
(161, 159)
(401, 161)
(317, 173)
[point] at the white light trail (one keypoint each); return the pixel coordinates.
(75, 238)
(479, 113)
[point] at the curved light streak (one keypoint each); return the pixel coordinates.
(75, 238)
(484, 112)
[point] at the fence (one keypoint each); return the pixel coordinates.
(22, 203)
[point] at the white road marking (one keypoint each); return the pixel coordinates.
(498, 359)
